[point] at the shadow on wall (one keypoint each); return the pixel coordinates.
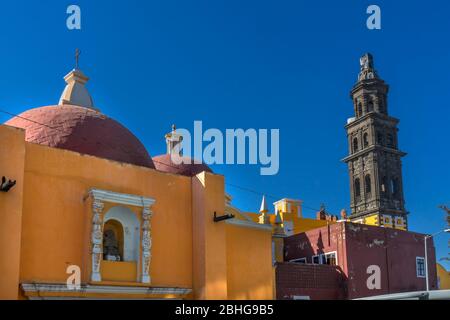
(301, 244)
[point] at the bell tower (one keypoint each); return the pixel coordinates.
(374, 160)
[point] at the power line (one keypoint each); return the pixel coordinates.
(166, 164)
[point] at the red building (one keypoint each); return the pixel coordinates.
(348, 261)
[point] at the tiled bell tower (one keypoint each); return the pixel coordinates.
(374, 160)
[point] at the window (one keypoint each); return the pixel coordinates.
(355, 145)
(357, 190)
(325, 258)
(384, 185)
(381, 105)
(390, 140)
(399, 222)
(368, 183)
(330, 259)
(394, 187)
(380, 138)
(366, 140)
(316, 259)
(359, 109)
(370, 106)
(420, 267)
(300, 261)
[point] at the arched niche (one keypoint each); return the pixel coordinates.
(125, 218)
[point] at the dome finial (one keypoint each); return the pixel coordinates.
(76, 92)
(173, 141)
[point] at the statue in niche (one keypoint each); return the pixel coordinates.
(111, 246)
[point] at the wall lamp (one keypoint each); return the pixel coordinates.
(6, 184)
(222, 218)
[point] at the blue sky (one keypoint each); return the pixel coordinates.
(250, 64)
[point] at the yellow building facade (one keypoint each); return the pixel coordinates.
(110, 214)
(443, 277)
(286, 220)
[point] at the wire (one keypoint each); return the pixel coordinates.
(265, 194)
(166, 164)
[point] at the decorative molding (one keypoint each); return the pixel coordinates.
(97, 239)
(94, 289)
(248, 224)
(121, 198)
(101, 196)
(146, 245)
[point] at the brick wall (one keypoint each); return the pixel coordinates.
(318, 282)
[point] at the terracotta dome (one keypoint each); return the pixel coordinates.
(164, 163)
(82, 130)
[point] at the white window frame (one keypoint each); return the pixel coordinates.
(300, 259)
(328, 253)
(424, 268)
(316, 256)
(322, 257)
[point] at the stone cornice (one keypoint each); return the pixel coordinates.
(372, 115)
(96, 289)
(373, 148)
(121, 198)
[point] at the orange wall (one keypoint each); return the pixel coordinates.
(12, 156)
(55, 214)
(47, 217)
(249, 263)
(209, 261)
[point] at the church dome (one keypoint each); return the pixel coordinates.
(83, 130)
(184, 166)
(75, 124)
(187, 168)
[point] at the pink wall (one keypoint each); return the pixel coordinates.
(360, 246)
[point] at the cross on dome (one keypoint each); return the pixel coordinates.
(75, 93)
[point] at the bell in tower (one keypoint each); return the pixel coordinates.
(374, 160)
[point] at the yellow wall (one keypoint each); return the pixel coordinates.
(55, 215)
(444, 277)
(249, 266)
(209, 259)
(300, 224)
(47, 220)
(12, 155)
(372, 220)
(119, 271)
